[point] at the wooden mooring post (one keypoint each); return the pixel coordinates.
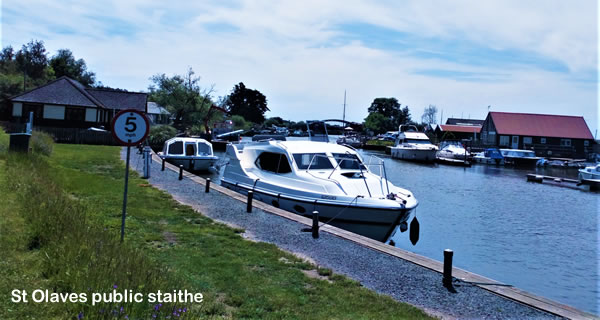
(315, 224)
(447, 279)
(249, 202)
(180, 172)
(207, 188)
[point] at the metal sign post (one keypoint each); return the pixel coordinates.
(129, 128)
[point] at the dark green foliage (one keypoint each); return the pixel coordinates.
(183, 97)
(376, 122)
(64, 64)
(248, 103)
(159, 134)
(32, 59)
(390, 109)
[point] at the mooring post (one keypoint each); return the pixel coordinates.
(249, 202)
(315, 224)
(163, 165)
(207, 189)
(447, 280)
(180, 172)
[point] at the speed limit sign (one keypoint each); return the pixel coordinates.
(130, 127)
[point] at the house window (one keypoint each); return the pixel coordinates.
(274, 162)
(503, 140)
(543, 140)
(75, 114)
(527, 140)
(565, 142)
(586, 143)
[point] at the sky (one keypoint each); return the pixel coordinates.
(463, 56)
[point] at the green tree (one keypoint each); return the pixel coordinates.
(32, 60)
(240, 123)
(376, 122)
(274, 121)
(183, 97)
(248, 103)
(64, 64)
(391, 110)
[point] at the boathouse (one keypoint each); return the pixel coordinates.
(66, 103)
(548, 135)
(459, 129)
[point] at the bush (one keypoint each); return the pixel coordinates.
(42, 143)
(159, 134)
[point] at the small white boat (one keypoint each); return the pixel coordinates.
(413, 145)
(592, 172)
(352, 141)
(194, 154)
(304, 176)
(520, 158)
(453, 150)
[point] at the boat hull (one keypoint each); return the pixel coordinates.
(421, 155)
(376, 223)
(192, 163)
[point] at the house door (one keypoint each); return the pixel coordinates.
(515, 142)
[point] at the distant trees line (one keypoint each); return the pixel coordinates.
(192, 107)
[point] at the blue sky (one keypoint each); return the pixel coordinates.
(462, 56)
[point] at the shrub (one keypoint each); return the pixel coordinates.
(159, 134)
(42, 143)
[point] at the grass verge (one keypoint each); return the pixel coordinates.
(59, 231)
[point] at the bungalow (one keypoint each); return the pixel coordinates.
(548, 135)
(458, 129)
(66, 103)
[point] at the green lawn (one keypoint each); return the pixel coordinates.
(167, 246)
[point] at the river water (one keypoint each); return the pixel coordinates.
(540, 238)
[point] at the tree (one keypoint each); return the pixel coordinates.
(376, 122)
(183, 97)
(393, 114)
(32, 59)
(64, 64)
(248, 103)
(274, 121)
(429, 115)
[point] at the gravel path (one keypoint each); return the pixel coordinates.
(400, 279)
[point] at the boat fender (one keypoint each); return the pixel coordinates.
(414, 231)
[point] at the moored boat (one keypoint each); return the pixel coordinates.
(520, 158)
(304, 176)
(413, 145)
(194, 154)
(591, 172)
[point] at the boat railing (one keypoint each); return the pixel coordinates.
(373, 161)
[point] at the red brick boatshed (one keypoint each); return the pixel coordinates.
(548, 135)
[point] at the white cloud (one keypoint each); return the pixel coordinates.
(284, 50)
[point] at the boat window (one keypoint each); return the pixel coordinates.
(189, 149)
(203, 148)
(348, 161)
(319, 161)
(415, 141)
(274, 162)
(176, 147)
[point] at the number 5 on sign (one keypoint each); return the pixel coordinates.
(129, 128)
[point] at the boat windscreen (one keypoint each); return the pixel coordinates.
(348, 161)
(203, 148)
(314, 160)
(190, 149)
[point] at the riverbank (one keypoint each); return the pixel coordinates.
(238, 278)
(400, 279)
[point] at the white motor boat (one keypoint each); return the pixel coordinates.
(307, 176)
(520, 158)
(413, 145)
(453, 150)
(352, 141)
(194, 154)
(592, 172)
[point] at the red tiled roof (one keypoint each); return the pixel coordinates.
(457, 128)
(541, 125)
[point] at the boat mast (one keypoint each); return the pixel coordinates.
(344, 114)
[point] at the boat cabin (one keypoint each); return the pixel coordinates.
(187, 147)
